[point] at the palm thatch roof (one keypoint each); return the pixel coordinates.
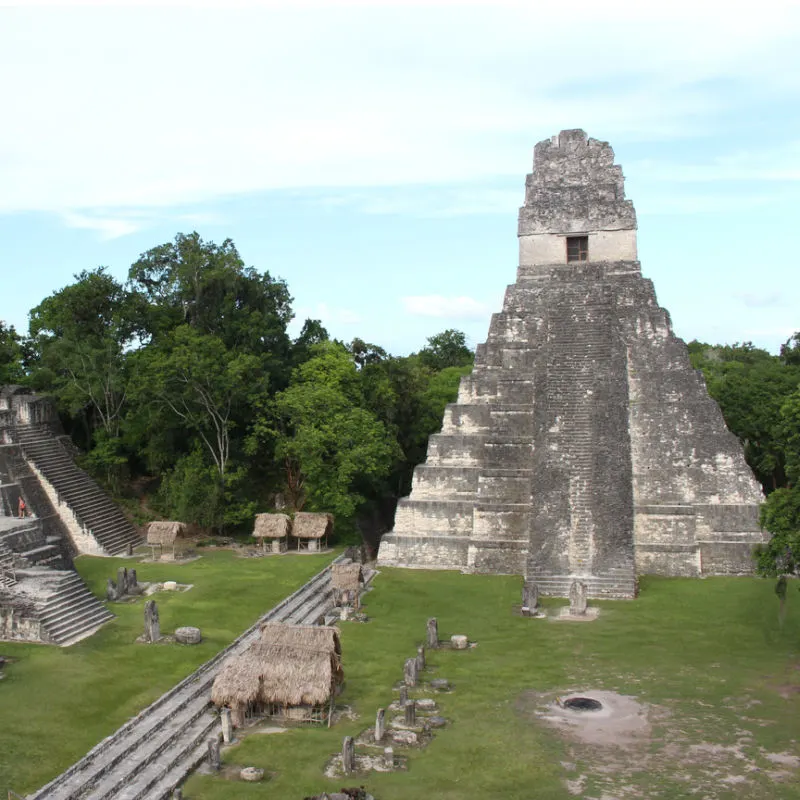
(290, 665)
(309, 525)
(272, 526)
(346, 576)
(163, 532)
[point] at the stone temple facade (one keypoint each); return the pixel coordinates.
(583, 445)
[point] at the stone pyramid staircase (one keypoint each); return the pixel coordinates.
(55, 606)
(8, 574)
(72, 612)
(94, 511)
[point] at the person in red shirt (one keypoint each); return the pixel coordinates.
(23, 509)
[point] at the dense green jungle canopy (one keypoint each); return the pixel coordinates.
(189, 399)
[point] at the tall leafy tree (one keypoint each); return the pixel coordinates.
(333, 449)
(11, 355)
(446, 349)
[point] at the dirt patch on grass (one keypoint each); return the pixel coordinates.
(632, 749)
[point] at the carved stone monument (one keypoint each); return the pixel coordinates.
(577, 599)
(152, 627)
(530, 599)
(380, 724)
(433, 633)
(348, 754)
(583, 445)
(410, 672)
(214, 760)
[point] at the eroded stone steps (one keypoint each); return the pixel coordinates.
(93, 509)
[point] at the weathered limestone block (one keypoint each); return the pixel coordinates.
(388, 757)
(251, 774)
(403, 737)
(459, 642)
(403, 695)
(410, 711)
(188, 635)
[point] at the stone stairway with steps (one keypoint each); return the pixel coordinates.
(8, 574)
(72, 612)
(153, 753)
(92, 508)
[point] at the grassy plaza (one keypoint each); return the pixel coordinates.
(715, 673)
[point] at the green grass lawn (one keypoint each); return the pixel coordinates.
(707, 657)
(55, 703)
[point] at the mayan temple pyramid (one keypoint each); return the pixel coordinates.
(583, 445)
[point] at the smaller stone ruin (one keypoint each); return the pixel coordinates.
(276, 528)
(126, 585)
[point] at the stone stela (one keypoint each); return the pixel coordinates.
(583, 446)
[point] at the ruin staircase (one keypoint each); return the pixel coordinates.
(90, 505)
(153, 753)
(72, 612)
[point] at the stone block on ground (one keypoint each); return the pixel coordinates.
(251, 774)
(459, 642)
(188, 635)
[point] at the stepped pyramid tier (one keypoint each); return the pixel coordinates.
(37, 464)
(583, 445)
(41, 598)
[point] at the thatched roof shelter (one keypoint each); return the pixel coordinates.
(346, 576)
(272, 526)
(291, 665)
(164, 533)
(309, 525)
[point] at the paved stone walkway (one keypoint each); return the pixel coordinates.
(153, 752)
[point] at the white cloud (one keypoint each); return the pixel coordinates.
(110, 108)
(106, 227)
(762, 299)
(454, 308)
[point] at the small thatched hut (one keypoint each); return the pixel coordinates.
(346, 580)
(275, 527)
(163, 534)
(293, 671)
(312, 528)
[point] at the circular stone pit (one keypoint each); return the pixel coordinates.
(582, 704)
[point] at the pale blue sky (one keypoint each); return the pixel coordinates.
(374, 156)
